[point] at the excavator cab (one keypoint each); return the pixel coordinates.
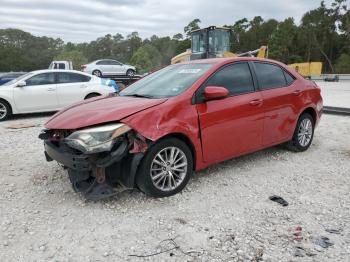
(210, 42)
(213, 42)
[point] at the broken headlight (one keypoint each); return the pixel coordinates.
(96, 139)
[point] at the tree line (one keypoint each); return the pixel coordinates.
(323, 34)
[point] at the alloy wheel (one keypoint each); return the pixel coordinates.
(305, 132)
(97, 73)
(3, 111)
(130, 73)
(169, 168)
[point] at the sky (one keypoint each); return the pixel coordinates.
(85, 20)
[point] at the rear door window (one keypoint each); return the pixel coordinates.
(64, 78)
(113, 62)
(288, 77)
(270, 76)
(237, 78)
(41, 79)
(102, 62)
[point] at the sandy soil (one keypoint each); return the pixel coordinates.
(335, 93)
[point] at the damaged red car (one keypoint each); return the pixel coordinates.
(181, 119)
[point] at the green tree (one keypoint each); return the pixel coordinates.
(21, 51)
(178, 36)
(166, 47)
(342, 65)
(146, 58)
(283, 41)
(77, 58)
(133, 42)
(193, 25)
(182, 46)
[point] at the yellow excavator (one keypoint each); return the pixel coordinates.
(214, 41)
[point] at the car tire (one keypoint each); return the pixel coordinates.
(165, 169)
(92, 95)
(97, 73)
(130, 72)
(303, 134)
(5, 110)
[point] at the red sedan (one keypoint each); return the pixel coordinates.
(181, 119)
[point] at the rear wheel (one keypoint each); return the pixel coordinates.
(303, 134)
(5, 110)
(97, 73)
(165, 169)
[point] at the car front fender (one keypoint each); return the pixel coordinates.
(164, 120)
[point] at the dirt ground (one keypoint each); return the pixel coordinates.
(224, 214)
(335, 93)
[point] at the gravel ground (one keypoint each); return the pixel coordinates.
(224, 214)
(335, 93)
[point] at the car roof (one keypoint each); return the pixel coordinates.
(59, 71)
(104, 59)
(222, 61)
(229, 59)
(218, 62)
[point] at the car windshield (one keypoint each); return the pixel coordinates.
(170, 81)
(17, 79)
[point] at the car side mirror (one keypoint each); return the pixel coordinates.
(21, 84)
(215, 92)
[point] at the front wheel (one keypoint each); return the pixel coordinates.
(130, 73)
(165, 169)
(303, 134)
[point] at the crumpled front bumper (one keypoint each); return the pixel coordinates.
(66, 157)
(103, 170)
(84, 162)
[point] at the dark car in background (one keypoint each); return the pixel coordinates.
(9, 76)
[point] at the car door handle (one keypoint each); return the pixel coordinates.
(256, 102)
(83, 86)
(51, 89)
(297, 92)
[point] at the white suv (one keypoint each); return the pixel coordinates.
(48, 90)
(108, 67)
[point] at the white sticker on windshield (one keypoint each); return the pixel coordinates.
(189, 71)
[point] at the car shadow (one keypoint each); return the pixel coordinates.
(242, 162)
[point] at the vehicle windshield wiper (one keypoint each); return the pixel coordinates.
(140, 95)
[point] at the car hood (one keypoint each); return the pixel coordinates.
(100, 110)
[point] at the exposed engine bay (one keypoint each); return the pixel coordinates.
(101, 161)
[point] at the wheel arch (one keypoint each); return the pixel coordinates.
(7, 101)
(92, 93)
(310, 110)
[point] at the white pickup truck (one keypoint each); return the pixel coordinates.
(62, 65)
